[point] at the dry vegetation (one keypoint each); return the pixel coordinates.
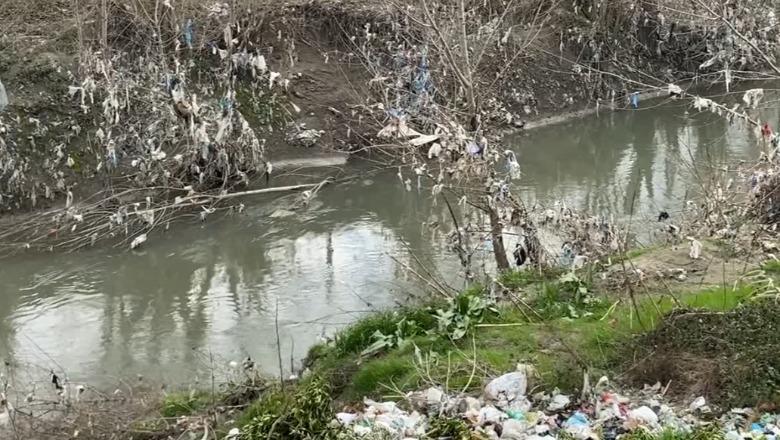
(141, 112)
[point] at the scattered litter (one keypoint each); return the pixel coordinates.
(507, 388)
(346, 419)
(558, 402)
(635, 100)
(513, 430)
(695, 252)
(424, 140)
(138, 241)
(490, 414)
(753, 97)
(513, 167)
(304, 138)
(643, 416)
(434, 151)
(601, 414)
(3, 97)
(697, 404)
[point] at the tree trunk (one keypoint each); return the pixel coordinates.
(497, 233)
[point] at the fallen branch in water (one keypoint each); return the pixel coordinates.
(80, 226)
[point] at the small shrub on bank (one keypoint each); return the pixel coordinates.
(179, 404)
(301, 413)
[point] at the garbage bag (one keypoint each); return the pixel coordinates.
(507, 387)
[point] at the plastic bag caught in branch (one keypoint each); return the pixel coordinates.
(753, 97)
(397, 127)
(3, 97)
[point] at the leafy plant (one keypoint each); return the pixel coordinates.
(450, 428)
(179, 404)
(405, 328)
(453, 322)
(463, 313)
(281, 415)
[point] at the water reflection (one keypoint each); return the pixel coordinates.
(214, 289)
(630, 162)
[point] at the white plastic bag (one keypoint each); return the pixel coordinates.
(3, 97)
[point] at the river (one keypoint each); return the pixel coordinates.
(203, 295)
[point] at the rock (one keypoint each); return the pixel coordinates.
(507, 388)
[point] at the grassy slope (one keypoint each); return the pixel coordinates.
(551, 324)
(555, 333)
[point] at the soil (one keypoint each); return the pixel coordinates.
(730, 357)
(671, 268)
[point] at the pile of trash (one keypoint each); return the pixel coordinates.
(506, 411)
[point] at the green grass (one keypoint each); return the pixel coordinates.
(638, 252)
(701, 433)
(359, 336)
(515, 280)
(387, 371)
(183, 404)
(771, 267)
(558, 345)
(296, 412)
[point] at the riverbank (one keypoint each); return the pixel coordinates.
(441, 364)
(561, 326)
(323, 76)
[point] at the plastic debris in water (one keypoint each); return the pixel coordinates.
(635, 100)
(138, 241)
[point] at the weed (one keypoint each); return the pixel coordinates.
(363, 334)
(180, 404)
(701, 433)
(449, 428)
(303, 414)
(384, 372)
(771, 267)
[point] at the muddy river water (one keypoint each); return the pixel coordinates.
(209, 294)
